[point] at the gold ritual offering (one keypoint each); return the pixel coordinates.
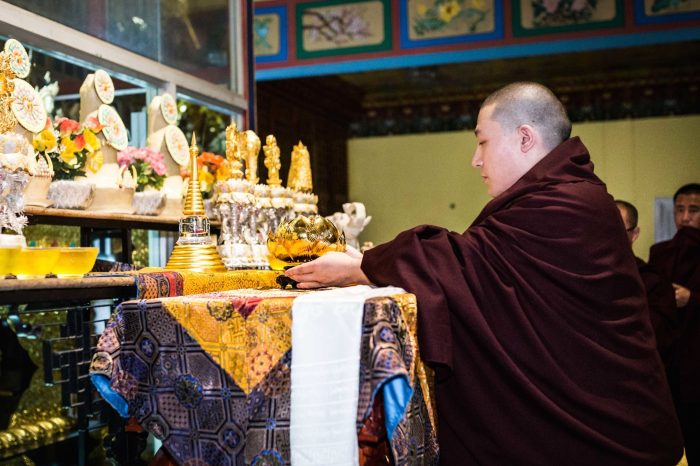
(303, 239)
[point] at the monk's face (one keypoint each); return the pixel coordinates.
(687, 210)
(496, 154)
(632, 232)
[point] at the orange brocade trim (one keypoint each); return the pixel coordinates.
(426, 376)
(207, 282)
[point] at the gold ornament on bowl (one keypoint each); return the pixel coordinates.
(303, 239)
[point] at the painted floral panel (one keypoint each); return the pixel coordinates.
(266, 34)
(429, 19)
(343, 26)
(670, 7)
(554, 13)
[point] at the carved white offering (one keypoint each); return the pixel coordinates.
(96, 91)
(166, 137)
(352, 221)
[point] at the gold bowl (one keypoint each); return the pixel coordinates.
(75, 262)
(35, 262)
(303, 239)
(8, 259)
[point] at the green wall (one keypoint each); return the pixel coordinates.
(409, 180)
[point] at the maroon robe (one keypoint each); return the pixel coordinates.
(662, 309)
(536, 322)
(679, 260)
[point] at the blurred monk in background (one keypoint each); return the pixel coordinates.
(679, 260)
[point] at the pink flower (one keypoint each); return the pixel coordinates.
(551, 5)
(159, 168)
(66, 126)
(93, 124)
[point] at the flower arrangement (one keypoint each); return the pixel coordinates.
(73, 148)
(149, 165)
(211, 167)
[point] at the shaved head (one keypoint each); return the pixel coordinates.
(527, 103)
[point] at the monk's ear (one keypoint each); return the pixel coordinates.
(527, 136)
(634, 234)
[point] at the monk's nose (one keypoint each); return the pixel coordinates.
(476, 160)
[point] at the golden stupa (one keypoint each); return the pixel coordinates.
(194, 249)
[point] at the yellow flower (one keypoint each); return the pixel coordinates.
(448, 10)
(478, 4)
(69, 158)
(68, 150)
(45, 141)
(91, 141)
(422, 9)
(206, 180)
(94, 161)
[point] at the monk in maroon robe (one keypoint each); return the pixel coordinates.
(534, 318)
(661, 296)
(679, 260)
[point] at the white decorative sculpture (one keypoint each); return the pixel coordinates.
(352, 221)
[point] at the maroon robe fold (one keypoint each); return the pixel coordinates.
(662, 309)
(536, 322)
(679, 260)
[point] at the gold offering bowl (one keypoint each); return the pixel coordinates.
(8, 258)
(75, 262)
(35, 262)
(303, 239)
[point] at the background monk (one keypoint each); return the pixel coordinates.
(679, 259)
(661, 296)
(535, 317)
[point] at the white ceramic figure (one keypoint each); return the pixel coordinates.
(352, 221)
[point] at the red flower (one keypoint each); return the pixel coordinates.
(79, 142)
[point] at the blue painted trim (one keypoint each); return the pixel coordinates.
(396, 393)
(491, 53)
(641, 18)
(281, 12)
(408, 43)
(104, 387)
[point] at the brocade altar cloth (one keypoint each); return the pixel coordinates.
(209, 375)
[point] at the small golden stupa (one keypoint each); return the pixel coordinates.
(194, 249)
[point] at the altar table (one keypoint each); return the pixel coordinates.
(209, 375)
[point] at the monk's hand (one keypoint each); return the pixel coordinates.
(682, 295)
(352, 252)
(331, 269)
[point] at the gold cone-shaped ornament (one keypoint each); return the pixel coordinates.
(194, 249)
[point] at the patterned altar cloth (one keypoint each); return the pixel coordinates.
(209, 375)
